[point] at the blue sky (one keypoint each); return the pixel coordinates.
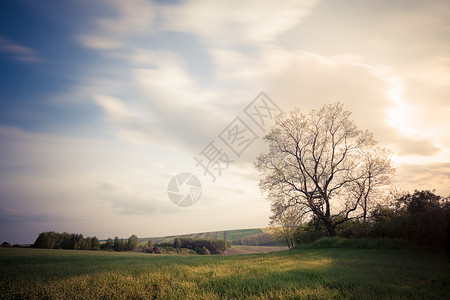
(103, 102)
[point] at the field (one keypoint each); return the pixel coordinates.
(292, 274)
(242, 249)
(228, 235)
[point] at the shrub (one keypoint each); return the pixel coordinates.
(309, 232)
(213, 246)
(422, 217)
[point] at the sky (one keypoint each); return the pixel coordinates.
(104, 102)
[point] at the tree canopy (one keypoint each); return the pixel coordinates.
(322, 162)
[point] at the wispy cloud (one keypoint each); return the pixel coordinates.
(236, 22)
(18, 52)
(135, 18)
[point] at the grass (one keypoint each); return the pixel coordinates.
(361, 243)
(214, 235)
(240, 233)
(295, 274)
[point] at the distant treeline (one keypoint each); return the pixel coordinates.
(55, 240)
(262, 239)
(121, 244)
(8, 245)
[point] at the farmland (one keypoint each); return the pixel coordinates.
(228, 235)
(298, 273)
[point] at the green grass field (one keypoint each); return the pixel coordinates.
(294, 274)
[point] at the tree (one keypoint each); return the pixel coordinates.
(422, 217)
(150, 243)
(95, 243)
(177, 243)
(5, 245)
(376, 175)
(321, 162)
(47, 240)
(109, 245)
(132, 242)
(285, 219)
(118, 244)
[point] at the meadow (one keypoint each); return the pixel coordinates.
(292, 274)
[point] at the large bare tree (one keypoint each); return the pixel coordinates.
(321, 161)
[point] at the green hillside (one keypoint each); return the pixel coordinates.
(228, 235)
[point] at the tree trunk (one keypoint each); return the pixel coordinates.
(287, 242)
(331, 229)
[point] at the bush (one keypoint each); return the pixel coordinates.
(422, 217)
(353, 229)
(202, 251)
(309, 232)
(213, 246)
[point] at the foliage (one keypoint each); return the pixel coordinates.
(109, 245)
(285, 219)
(422, 217)
(321, 161)
(309, 232)
(177, 242)
(354, 229)
(132, 242)
(213, 246)
(308, 274)
(165, 245)
(119, 244)
(54, 240)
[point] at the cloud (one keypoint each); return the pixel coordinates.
(11, 217)
(236, 22)
(422, 147)
(134, 18)
(115, 108)
(425, 176)
(191, 115)
(18, 52)
(99, 42)
(129, 200)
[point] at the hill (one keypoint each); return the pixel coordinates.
(228, 235)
